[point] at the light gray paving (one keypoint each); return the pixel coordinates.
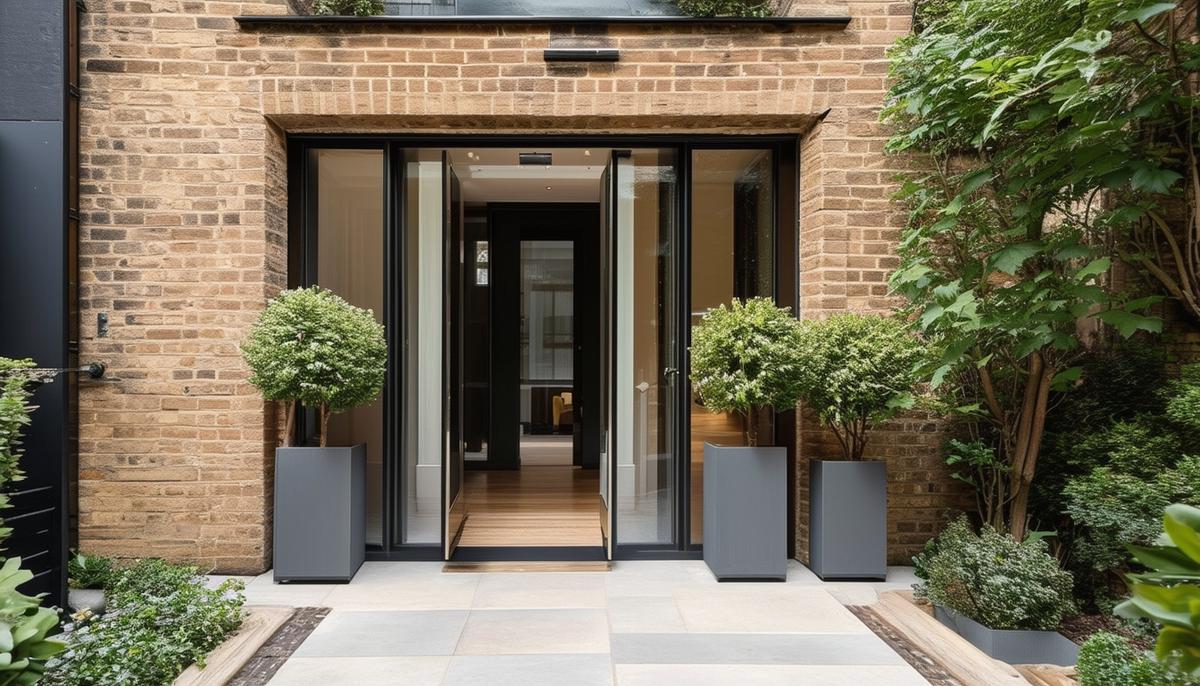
(385, 634)
(749, 649)
(529, 670)
(642, 624)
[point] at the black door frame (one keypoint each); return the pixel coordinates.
(302, 271)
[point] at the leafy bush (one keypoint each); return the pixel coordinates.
(1169, 594)
(1183, 399)
(24, 625)
(856, 370)
(727, 8)
(314, 348)
(358, 8)
(160, 619)
(995, 580)
(89, 571)
(1114, 509)
(744, 360)
(976, 464)
(1107, 659)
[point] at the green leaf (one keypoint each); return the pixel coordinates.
(1010, 259)
(1128, 323)
(1094, 268)
(1141, 14)
(1153, 179)
(1065, 379)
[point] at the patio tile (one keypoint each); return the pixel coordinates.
(644, 615)
(539, 591)
(362, 671)
(765, 675)
(764, 608)
(385, 634)
(531, 632)
(763, 649)
(410, 592)
(529, 670)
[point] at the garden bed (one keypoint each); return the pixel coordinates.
(952, 654)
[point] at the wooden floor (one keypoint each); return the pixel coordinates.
(534, 506)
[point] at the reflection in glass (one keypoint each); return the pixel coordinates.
(350, 256)
(421, 460)
(733, 233)
(644, 216)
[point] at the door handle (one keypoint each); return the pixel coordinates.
(670, 371)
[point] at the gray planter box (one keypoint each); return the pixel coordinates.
(1012, 646)
(320, 513)
(848, 519)
(745, 512)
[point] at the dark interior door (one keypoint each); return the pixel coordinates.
(508, 226)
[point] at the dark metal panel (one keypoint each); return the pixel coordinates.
(33, 278)
(466, 19)
(31, 52)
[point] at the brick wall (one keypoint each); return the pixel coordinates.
(184, 210)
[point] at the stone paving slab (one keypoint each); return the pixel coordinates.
(641, 624)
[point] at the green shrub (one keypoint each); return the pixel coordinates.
(1112, 510)
(160, 619)
(89, 571)
(995, 580)
(1169, 593)
(727, 8)
(1107, 659)
(313, 348)
(744, 360)
(1183, 399)
(856, 370)
(24, 625)
(358, 8)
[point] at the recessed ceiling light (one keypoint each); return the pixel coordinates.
(547, 187)
(587, 153)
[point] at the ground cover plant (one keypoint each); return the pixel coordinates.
(1107, 659)
(160, 619)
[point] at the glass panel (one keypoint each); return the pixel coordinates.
(645, 222)
(421, 473)
(733, 230)
(350, 262)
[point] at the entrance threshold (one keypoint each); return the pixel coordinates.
(524, 567)
(529, 554)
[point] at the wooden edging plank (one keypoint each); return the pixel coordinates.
(224, 662)
(952, 652)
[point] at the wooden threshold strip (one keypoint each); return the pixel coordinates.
(485, 567)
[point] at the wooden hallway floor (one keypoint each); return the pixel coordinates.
(535, 506)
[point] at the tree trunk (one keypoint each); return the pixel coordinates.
(1030, 428)
(323, 411)
(750, 417)
(289, 423)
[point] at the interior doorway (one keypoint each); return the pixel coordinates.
(529, 302)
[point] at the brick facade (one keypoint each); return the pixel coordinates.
(183, 188)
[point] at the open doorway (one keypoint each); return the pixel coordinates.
(530, 311)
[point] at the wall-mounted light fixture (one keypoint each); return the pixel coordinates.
(581, 55)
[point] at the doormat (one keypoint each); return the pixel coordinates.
(259, 669)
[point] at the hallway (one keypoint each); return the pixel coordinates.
(534, 506)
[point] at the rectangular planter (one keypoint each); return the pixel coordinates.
(848, 519)
(1016, 647)
(745, 512)
(320, 513)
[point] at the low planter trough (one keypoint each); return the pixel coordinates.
(1016, 647)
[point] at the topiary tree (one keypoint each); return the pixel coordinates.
(743, 360)
(355, 8)
(727, 8)
(856, 370)
(312, 348)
